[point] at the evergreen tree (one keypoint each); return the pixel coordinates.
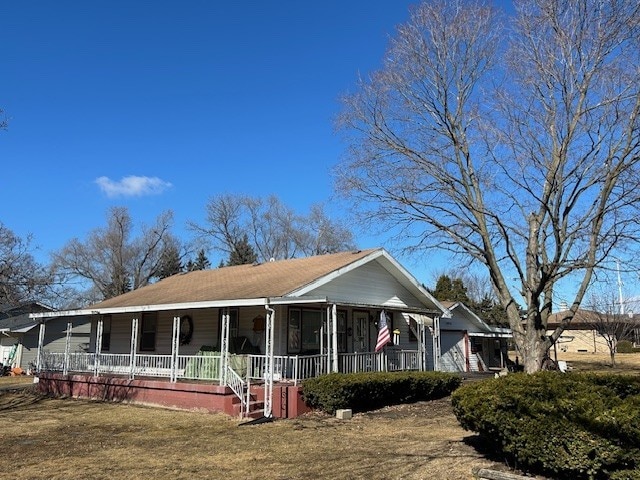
(242, 253)
(170, 263)
(450, 290)
(490, 311)
(200, 263)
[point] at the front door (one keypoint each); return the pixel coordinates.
(364, 332)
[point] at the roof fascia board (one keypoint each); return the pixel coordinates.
(296, 300)
(479, 321)
(394, 308)
(248, 302)
(62, 313)
(491, 334)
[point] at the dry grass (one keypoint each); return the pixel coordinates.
(69, 439)
(63, 439)
(9, 381)
(626, 363)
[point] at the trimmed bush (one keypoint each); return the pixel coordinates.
(368, 391)
(625, 346)
(625, 475)
(564, 426)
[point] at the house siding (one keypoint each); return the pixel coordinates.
(581, 341)
(370, 284)
(55, 338)
(454, 357)
(205, 330)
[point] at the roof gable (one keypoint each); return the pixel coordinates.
(373, 280)
(461, 314)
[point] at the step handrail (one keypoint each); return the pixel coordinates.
(237, 384)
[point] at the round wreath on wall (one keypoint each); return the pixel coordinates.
(186, 330)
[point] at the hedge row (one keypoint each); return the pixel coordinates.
(625, 346)
(565, 426)
(368, 391)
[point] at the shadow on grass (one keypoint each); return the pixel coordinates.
(490, 452)
(19, 400)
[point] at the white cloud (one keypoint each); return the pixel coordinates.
(132, 186)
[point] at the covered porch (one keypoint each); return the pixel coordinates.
(243, 358)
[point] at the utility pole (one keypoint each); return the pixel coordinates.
(620, 288)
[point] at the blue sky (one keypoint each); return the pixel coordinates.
(202, 97)
(197, 97)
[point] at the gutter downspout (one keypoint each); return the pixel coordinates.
(268, 390)
(467, 352)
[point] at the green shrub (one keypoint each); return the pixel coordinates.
(565, 426)
(368, 391)
(625, 346)
(625, 475)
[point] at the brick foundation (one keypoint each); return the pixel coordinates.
(287, 399)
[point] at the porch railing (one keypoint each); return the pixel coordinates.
(208, 367)
(188, 366)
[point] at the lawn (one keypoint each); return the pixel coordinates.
(626, 363)
(64, 439)
(72, 439)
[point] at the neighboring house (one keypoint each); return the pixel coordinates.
(581, 336)
(253, 332)
(19, 334)
(468, 344)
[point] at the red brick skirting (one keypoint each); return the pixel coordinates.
(287, 399)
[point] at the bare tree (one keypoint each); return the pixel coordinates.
(22, 278)
(110, 260)
(321, 234)
(273, 229)
(607, 320)
(517, 147)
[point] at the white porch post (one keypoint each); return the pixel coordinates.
(134, 342)
(334, 333)
(40, 360)
(175, 345)
(99, 330)
(67, 347)
(421, 334)
(328, 331)
(268, 390)
(436, 344)
(224, 350)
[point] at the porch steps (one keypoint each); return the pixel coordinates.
(256, 407)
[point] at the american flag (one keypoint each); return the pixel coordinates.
(384, 336)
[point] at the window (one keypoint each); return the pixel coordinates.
(233, 322)
(149, 327)
(342, 331)
(293, 344)
(106, 333)
(310, 334)
(304, 331)
(413, 327)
